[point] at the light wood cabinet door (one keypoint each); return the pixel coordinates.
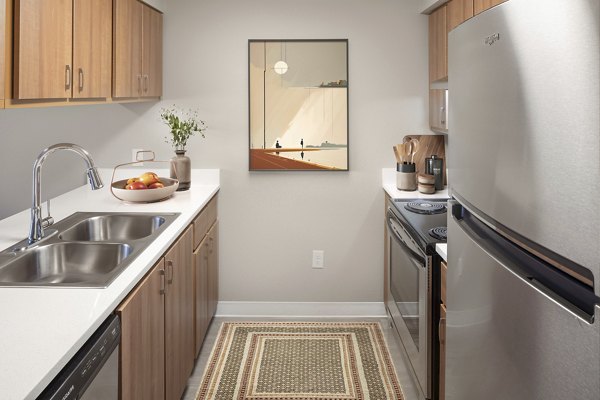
(92, 48)
(213, 269)
(458, 11)
(482, 5)
(142, 352)
(43, 41)
(2, 49)
(152, 31)
(438, 45)
(127, 51)
(442, 334)
(437, 110)
(201, 256)
(179, 316)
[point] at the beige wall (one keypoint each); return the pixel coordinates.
(270, 221)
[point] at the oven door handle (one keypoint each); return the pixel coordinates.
(393, 231)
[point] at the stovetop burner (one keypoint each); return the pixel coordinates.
(439, 233)
(425, 207)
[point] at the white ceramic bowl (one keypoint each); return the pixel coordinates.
(145, 195)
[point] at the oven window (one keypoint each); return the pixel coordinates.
(404, 287)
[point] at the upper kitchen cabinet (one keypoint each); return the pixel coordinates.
(438, 45)
(137, 64)
(482, 5)
(458, 11)
(62, 49)
(2, 49)
(152, 52)
(92, 48)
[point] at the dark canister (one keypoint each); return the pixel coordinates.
(434, 165)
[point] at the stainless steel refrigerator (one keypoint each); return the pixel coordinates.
(523, 285)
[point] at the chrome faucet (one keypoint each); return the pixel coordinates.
(37, 225)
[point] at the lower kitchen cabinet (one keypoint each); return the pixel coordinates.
(206, 270)
(157, 344)
(142, 350)
(213, 270)
(179, 316)
(201, 255)
(442, 332)
(164, 319)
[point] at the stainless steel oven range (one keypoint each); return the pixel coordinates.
(413, 293)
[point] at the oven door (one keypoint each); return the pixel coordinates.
(410, 298)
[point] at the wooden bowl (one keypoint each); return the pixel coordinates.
(426, 179)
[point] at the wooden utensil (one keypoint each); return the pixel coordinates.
(415, 148)
(397, 155)
(407, 150)
(400, 150)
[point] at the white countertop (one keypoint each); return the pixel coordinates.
(388, 179)
(442, 250)
(42, 328)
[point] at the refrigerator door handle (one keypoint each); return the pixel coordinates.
(574, 296)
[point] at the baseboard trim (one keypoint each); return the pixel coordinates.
(299, 309)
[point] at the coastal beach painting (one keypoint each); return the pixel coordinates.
(298, 104)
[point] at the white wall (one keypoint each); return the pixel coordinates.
(270, 221)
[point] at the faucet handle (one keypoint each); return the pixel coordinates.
(46, 222)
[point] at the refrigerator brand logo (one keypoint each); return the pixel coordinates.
(490, 40)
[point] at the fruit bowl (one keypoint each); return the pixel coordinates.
(145, 195)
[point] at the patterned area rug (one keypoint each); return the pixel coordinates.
(300, 361)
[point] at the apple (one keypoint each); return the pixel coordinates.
(131, 180)
(156, 185)
(136, 186)
(148, 178)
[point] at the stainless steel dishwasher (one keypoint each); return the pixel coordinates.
(93, 373)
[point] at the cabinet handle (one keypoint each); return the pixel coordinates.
(67, 77)
(170, 271)
(163, 288)
(145, 83)
(139, 78)
(442, 330)
(212, 245)
(443, 116)
(207, 251)
(80, 79)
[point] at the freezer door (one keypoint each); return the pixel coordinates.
(508, 336)
(524, 134)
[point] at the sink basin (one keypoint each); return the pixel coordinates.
(120, 227)
(66, 263)
(83, 250)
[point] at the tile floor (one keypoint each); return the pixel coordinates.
(406, 381)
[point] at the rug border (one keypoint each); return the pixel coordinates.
(387, 358)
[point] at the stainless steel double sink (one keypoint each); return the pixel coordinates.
(83, 250)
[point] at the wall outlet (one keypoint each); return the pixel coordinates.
(318, 260)
(134, 155)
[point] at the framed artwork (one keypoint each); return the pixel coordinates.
(298, 104)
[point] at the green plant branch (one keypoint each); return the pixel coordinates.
(182, 125)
